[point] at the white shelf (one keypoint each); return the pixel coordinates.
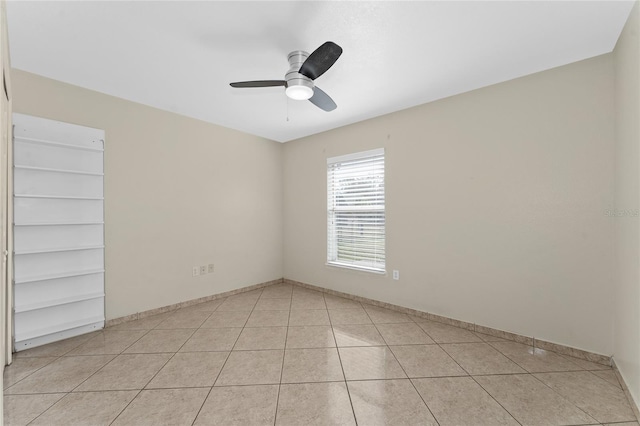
(59, 275)
(58, 224)
(58, 144)
(57, 328)
(57, 250)
(57, 302)
(47, 169)
(58, 197)
(59, 265)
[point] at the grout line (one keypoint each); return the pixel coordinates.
(95, 372)
(284, 353)
(405, 372)
(275, 384)
(512, 359)
(55, 358)
(47, 409)
(288, 383)
(228, 355)
(488, 393)
(619, 386)
(170, 358)
(563, 397)
(402, 367)
(497, 402)
(346, 385)
(90, 355)
(463, 369)
(625, 390)
(156, 373)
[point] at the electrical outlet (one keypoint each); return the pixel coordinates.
(196, 271)
(210, 270)
(203, 270)
(396, 274)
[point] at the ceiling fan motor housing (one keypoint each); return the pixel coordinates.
(299, 87)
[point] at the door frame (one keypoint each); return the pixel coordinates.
(6, 180)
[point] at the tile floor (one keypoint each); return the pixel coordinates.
(290, 356)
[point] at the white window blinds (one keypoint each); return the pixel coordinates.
(355, 211)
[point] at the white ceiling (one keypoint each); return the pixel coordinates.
(181, 56)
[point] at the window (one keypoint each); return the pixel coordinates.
(355, 211)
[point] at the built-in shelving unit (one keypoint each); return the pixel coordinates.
(58, 230)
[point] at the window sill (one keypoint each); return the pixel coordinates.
(356, 268)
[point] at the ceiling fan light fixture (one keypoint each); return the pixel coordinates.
(299, 92)
(303, 70)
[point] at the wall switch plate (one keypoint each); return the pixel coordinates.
(196, 271)
(210, 269)
(203, 270)
(396, 274)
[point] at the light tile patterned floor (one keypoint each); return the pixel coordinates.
(286, 355)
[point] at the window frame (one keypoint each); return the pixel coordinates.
(332, 229)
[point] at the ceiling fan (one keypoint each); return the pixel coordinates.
(304, 68)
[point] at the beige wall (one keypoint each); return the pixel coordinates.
(627, 193)
(178, 192)
(496, 206)
(496, 203)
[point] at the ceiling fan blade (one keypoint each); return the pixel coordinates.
(322, 100)
(259, 83)
(321, 60)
